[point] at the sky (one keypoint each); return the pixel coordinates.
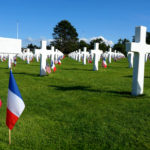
(110, 19)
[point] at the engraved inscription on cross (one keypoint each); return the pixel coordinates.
(140, 48)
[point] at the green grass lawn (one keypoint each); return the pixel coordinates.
(77, 108)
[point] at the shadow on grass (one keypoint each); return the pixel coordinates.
(130, 76)
(72, 69)
(35, 65)
(72, 88)
(120, 93)
(88, 89)
(25, 64)
(28, 74)
(3, 67)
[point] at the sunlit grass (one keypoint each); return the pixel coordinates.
(77, 108)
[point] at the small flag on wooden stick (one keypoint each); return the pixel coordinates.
(15, 104)
(53, 66)
(104, 64)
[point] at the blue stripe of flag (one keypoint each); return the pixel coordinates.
(13, 85)
(51, 63)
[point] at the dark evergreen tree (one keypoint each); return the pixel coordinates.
(32, 47)
(102, 45)
(65, 37)
(83, 44)
(121, 46)
(148, 38)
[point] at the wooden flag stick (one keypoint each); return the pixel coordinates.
(9, 136)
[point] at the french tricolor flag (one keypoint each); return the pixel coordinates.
(59, 61)
(53, 66)
(15, 104)
(104, 64)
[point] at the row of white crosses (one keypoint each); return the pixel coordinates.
(10, 58)
(95, 54)
(44, 53)
(73, 55)
(81, 54)
(12, 47)
(108, 55)
(139, 48)
(27, 55)
(54, 54)
(117, 55)
(77, 55)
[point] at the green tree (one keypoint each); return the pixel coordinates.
(83, 44)
(148, 37)
(121, 46)
(32, 47)
(102, 44)
(65, 37)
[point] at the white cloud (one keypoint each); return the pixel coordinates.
(30, 40)
(50, 40)
(107, 42)
(84, 39)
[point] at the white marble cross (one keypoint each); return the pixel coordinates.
(84, 53)
(56, 55)
(79, 55)
(10, 60)
(28, 55)
(37, 54)
(37, 57)
(52, 54)
(115, 53)
(140, 48)
(43, 57)
(96, 53)
(109, 55)
(146, 56)
(76, 55)
(130, 56)
(1, 57)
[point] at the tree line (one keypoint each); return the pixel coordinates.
(65, 38)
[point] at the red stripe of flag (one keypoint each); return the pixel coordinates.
(11, 119)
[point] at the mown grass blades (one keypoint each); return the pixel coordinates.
(77, 108)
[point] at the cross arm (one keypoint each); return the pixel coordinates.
(137, 47)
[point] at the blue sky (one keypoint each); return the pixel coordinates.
(112, 19)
